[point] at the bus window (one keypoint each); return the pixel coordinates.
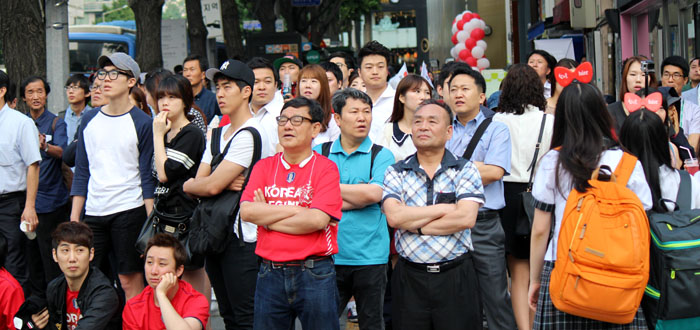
(83, 54)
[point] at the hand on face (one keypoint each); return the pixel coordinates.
(161, 124)
(167, 282)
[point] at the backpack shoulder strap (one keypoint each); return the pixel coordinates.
(475, 138)
(375, 150)
(625, 168)
(326, 148)
(684, 191)
(215, 141)
(53, 124)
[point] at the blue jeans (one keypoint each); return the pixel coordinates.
(284, 293)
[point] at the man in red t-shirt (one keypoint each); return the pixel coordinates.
(294, 198)
(167, 302)
(11, 294)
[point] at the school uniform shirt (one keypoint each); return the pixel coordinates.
(19, 148)
(313, 183)
(670, 180)
(113, 162)
(399, 143)
(494, 148)
(362, 237)
(141, 312)
(524, 130)
(241, 153)
(11, 298)
(549, 197)
(52, 192)
(456, 179)
(381, 112)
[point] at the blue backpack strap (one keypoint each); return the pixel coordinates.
(684, 191)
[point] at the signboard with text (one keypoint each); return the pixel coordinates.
(211, 12)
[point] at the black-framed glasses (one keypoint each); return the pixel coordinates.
(296, 120)
(675, 75)
(72, 88)
(113, 74)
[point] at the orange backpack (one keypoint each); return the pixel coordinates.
(602, 264)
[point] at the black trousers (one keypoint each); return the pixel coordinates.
(368, 284)
(42, 267)
(436, 301)
(11, 208)
(233, 274)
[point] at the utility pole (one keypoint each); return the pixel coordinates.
(57, 66)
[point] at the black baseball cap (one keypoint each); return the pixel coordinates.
(233, 69)
(289, 58)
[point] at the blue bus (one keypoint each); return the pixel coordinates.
(86, 43)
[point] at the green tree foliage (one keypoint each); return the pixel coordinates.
(120, 11)
(354, 10)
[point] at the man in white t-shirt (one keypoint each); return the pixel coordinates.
(263, 104)
(232, 273)
(374, 61)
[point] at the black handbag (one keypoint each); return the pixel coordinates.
(212, 220)
(526, 212)
(160, 222)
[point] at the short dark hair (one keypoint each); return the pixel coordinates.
(79, 79)
(340, 98)
(3, 250)
(439, 103)
(678, 61)
(334, 69)
(5, 82)
(11, 94)
(374, 48)
(263, 63)
(153, 79)
(315, 109)
(195, 57)
(72, 232)
(168, 241)
(551, 62)
(446, 71)
(693, 60)
(478, 78)
(349, 59)
(30, 80)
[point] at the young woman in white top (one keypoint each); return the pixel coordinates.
(396, 135)
(645, 136)
(313, 84)
(583, 134)
(520, 108)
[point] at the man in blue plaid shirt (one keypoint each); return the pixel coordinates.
(433, 198)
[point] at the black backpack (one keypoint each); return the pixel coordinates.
(672, 296)
(211, 224)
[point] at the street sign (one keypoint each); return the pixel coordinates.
(305, 46)
(211, 12)
(173, 41)
(306, 3)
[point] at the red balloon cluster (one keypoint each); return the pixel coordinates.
(467, 36)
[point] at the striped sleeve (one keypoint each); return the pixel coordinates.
(185, 154)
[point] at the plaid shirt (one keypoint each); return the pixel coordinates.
(454, 180)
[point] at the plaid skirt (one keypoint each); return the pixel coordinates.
(549, 317)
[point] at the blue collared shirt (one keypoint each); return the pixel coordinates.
(362, 236)
(456, 179)
(73, 122)
(494, 148)
(206, 100)
(52, 192)
(19, 148)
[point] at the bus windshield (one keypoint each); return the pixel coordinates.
(84, 53)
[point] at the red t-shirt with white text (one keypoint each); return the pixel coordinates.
(72, 310)
(141, 311)
(11, 298)
(314, 183)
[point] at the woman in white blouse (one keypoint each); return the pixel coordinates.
(581, 142)
(520, 108)
(396, 135)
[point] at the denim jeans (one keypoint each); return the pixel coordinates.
(284, 293)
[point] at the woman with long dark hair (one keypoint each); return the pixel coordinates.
(520, 107)
(632, 82)
(313, 84)
(396, 135)
(178, 145)
(582, 141)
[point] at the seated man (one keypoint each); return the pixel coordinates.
(167, 302)
(93, 300)
(11, 294)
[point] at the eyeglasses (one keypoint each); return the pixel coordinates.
(72, 88)
(95, 87)
(296, 120)
(675, 76)
(113, 74)
(340, 65)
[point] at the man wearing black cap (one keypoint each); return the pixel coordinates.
(113, 180)
(233, 273)
(288, 66)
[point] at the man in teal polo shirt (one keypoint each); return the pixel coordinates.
(363, 238)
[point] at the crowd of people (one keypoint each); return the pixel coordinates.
(402, 207)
